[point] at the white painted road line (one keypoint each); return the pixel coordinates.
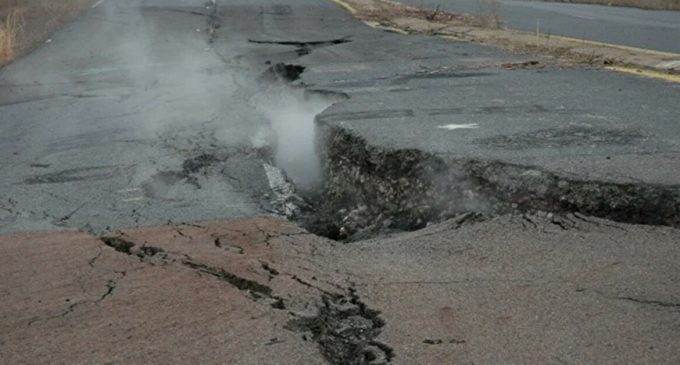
(459, 126)
(136, 199)
(97, 4)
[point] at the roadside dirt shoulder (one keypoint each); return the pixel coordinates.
(486, 29)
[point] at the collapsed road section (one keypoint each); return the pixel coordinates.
(420, 144)
(354, 140)
(368, 190)
(420, 130)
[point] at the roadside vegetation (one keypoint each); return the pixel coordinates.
(643, 4)
(9, 28)
(26, 23)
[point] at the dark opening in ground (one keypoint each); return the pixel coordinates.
(363, 191)
(283, 72)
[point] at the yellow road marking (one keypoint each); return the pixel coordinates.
(346, 6)
(609, 45)
(645, 73)
(385, 27)
(629, 70)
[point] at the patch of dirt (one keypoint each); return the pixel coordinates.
(487, 29)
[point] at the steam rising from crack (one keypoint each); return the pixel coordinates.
(199, 101)
(291, 115)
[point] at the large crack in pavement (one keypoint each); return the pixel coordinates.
(110, 287)
(413, 289)
(303, 48)
(369, 190)
(632, 299)
(154, 255)
(256, 290)
(343, 326)
(345, 329)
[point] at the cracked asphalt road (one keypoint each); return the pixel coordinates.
(513, 289)
(98, 124)
(144, 112)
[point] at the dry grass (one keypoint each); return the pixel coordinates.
(26, 23)
(9, 28)
(643, 4)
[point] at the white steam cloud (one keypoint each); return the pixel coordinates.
(291, 114)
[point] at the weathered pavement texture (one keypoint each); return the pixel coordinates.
(514, 289)
(144, 112)
(121, 121)
(109, 126)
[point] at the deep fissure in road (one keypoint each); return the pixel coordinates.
(343, 326)
(338, 185)
(303, 48)
(369, 191)
(366, 191)
(346, 330)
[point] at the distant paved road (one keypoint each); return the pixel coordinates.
(657, 30)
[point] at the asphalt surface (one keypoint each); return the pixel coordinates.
(143, 112)
(110, 126)
(514, 289)
(655, 30)
(589, 124)
(129, 117)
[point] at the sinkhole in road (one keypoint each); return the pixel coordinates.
(341, 187)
